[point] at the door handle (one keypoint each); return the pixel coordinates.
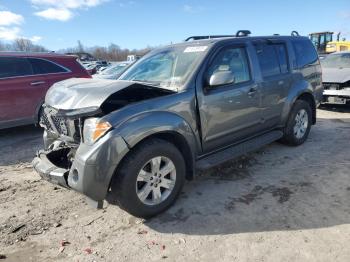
(252, 91)
(36, 83)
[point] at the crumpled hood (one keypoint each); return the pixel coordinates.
(76, 93)
(335, 75)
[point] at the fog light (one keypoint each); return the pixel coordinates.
(75, 175)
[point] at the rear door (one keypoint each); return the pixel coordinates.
(230, 112)
(53, 71)
(19, 90)
(276, 79)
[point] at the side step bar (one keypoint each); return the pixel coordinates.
(234, 151)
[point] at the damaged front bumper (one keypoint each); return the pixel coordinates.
(91, 169)
(341, 96)
(49, 171)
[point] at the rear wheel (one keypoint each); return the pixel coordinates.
(149, 179)
(299, 124)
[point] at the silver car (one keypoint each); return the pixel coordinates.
(113, 71)
(336, 78)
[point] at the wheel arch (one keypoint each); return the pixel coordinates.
(181, 144)
(301, 90)
(309, 98)
(166, 126)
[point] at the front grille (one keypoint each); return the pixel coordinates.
(60, 124)
(51, 122)
(44, 121)
(331, 86)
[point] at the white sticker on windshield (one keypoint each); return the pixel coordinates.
(193, 49)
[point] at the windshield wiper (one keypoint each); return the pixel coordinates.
(154, 83)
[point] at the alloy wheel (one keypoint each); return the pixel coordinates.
(301, 123)
(156, 180)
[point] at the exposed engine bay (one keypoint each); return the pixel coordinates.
(67, 124)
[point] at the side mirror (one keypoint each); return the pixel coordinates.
(221, 78)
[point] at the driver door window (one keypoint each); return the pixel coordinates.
(233, 60)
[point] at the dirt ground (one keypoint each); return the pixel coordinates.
(278, 204)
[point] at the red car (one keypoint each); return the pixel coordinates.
(24, 80)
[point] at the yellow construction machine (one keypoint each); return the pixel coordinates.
(324, 43)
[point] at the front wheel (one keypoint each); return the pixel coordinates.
(299, 124)
(149, 179)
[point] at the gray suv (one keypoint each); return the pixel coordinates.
(181, 108)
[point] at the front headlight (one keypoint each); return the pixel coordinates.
(94, 129)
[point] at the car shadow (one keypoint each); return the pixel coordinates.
(335, 108)
(275, 189)
(19, 144)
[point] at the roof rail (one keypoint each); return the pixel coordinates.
(201, 37)
(241, 33)
(294, 33)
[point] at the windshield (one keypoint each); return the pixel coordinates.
(336, 61)
(114, 70)
(167, 68)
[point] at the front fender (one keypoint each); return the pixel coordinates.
(146, 124)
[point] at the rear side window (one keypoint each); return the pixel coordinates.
(272, 59)
(305, 52)
(232, 59)
(14, 67)
(41, 66)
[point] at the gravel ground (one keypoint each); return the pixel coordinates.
(278, 204)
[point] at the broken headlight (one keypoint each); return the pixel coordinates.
(94, 129)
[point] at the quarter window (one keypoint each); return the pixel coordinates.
(305, 52)
(272, 59)
(233, 60)
(41, 66)
(13, 66)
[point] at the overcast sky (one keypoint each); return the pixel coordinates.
(59, 24)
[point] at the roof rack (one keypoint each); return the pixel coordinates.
(201, 37)
(240, 33)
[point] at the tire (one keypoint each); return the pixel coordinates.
(138, 173)
(291, 136)
(40, 112)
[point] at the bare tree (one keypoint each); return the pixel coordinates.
(22, 44)
(111, 53)
(80, 47)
